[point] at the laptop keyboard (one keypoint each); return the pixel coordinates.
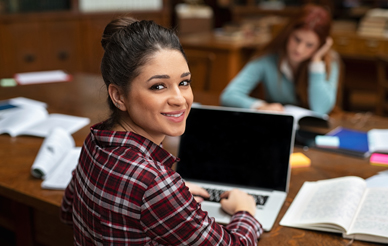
(215, 196)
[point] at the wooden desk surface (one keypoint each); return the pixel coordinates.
(85, 96)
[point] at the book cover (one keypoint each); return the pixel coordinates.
(352, 140)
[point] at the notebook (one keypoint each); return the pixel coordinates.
(225, 148)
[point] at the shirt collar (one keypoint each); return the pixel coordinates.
(109, 139)
(286, 69)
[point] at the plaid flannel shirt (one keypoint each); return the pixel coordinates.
(124, 192)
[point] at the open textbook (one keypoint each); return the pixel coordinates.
(33, 119)
(56, 159)
(343, 205)
(305, 117)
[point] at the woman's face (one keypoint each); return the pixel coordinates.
(160, 98)
(301, 45)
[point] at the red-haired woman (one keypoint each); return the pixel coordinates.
(297, 67)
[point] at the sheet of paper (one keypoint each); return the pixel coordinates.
(15, 121)
(69, 123)
(52, 150)
(378, 140)
(61, 176)
(42, 77)
(25, 102)
(378, 180)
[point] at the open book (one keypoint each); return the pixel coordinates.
(33, 119)
(343, 205)
(56, 159)
(305, 117)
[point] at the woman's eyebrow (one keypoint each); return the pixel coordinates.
(159, 77)
(185, 74)
(165, 76)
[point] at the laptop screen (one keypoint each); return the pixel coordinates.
(241, 148)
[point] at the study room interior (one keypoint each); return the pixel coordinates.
(50, 53)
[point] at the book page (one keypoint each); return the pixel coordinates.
(61, 176)
(372, 215)
(52, 150)
(69, 123)
(21, 118)
(332, 201)
(299, 112)
(302, 114)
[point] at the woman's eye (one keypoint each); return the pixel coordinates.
(185, 82)
(157, 87)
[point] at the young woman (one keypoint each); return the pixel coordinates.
(123, 191)
(296, 67)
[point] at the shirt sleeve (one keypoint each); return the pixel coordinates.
(67, 203)
(322, 91)
(171, 216)
(236, 93)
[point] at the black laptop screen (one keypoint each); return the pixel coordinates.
(233, 147)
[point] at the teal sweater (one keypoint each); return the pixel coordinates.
(321, 92)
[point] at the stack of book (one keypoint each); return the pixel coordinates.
(375, 23)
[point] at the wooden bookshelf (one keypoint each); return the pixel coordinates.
(65, 39)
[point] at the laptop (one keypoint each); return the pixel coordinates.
(225, 148)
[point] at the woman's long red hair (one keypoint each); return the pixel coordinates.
(311, 17)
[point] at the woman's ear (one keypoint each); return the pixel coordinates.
(116, 97)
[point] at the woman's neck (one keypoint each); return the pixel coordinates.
(125, 124)
(293, 65)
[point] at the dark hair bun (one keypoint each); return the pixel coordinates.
(115, 26)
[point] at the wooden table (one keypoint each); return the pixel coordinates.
(33, 213)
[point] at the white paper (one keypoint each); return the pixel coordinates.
(31, 118)
(53, 149)
(61, 176)
(22, 101)
(41, 77)
(21, 118)
(68, 122)
(378, 180)
(378, 140)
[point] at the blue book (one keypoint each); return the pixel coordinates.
(351, 141)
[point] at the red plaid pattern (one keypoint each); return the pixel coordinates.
(124, 192)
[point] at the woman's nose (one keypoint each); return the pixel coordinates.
(300, 48)
(176, 97)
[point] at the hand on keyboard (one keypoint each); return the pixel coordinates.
(237, 200)
(215, 196)
(198, 192)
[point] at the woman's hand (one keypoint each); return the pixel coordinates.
(271, 107)
(323, 50)
(198, 192)
(237, 200)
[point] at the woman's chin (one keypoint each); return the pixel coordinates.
(176, 133)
